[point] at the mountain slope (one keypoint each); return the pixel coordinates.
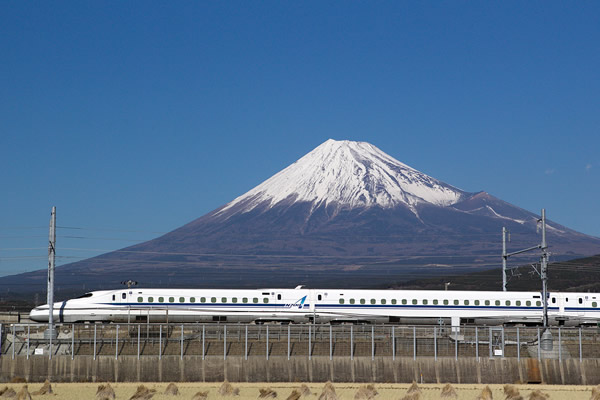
(346, 215)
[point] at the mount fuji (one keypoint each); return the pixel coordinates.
(346, 214)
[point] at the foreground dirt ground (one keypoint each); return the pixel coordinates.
(344, 391)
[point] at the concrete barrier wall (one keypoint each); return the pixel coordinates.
(318, 369)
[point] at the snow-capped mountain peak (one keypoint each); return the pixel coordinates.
(348, 174)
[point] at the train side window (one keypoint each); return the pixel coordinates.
(414, 301)
(140, 299)
(150, 299)
(362, 301)
(466, 302)
(234, 299)
(351, 301)
(487, 302)
(425, 302)
(202, 299)
(394, 301)
(435, 301)
(192, 299)
(538, 303)
(373, 301)
(255, 300)
(171, 299)
(476, 302)
(223, 299)
(404, 301)
(213, 299)
(518, 302)
(182, 299)
(594, 304)
(528, 303)
(446, 302)
(161, 299)
(266, 300)
(507, 302)
(383, 301)
(341, 301)
(245, 300)
(455, 302)
(114, 297)
(497, 302)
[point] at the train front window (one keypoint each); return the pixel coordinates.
(83, 296)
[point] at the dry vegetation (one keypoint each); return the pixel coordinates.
(293, 391)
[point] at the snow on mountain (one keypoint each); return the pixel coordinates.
(347, 174)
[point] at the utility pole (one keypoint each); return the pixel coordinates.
(51, 261)
(544, 268)
(504, 257)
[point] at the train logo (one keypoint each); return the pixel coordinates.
(298, 304)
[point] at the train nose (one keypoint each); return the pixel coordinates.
(39, 314)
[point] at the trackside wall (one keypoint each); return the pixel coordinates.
(317, 369)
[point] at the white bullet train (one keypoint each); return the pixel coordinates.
(301, 305)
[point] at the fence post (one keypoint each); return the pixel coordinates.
(352, 342)
(503, 341)
(456, 345)
(52, 330)
(330, 343)
(309, 341)
(224, 342)
(477, 344)
(160, 342)
(288, 349)
(94, 341)
(203, 340)
(72, 340)
(138, 349)
(28, 338)
(490, 342)
(372, 343)
(0, 339)
(393, 343)
(181, 342)
(559, 346)
(14, 343)
(414, 343)
(518, 345)
(117, 344)
(267, 341)
(246, 345)
(580, 353)
(539, 344)
(435, 343)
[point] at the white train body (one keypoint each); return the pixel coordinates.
(324, 306)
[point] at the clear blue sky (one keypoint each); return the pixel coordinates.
(142, 116)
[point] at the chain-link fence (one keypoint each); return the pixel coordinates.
(250, 340)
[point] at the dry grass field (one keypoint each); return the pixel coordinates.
(282, 391)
